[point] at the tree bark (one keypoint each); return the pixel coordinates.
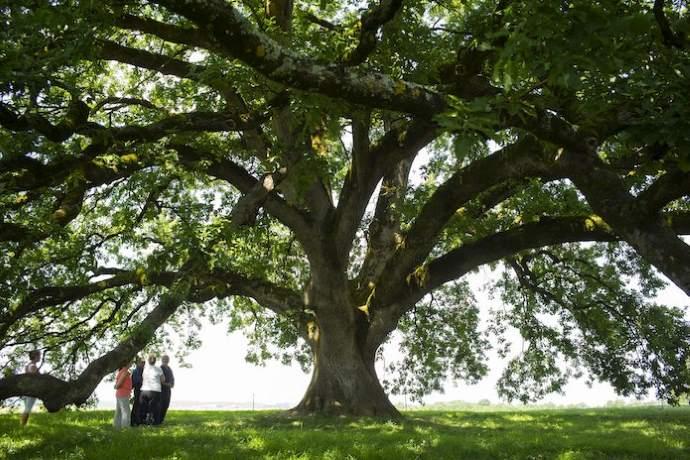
(344, 379)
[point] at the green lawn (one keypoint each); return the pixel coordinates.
(537, 434)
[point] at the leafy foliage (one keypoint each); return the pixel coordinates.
(295, 162)
(440, 340)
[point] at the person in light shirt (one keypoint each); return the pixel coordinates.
(150, 399)
(29, 401)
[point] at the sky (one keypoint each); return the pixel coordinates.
(219, 373)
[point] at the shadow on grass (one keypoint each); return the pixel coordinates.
(582, 434)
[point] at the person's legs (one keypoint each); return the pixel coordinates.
(28, 406)
(118, 415)
(136, 409)
(133, 414)
(144, 403)
(122, 412)
(155, 407)
(165, 403)
(125, 414)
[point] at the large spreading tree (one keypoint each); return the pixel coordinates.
(324, 173)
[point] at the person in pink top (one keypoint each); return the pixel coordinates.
(123, 391)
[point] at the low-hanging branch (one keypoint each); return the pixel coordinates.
(57, 393)
(185, 285)
(215, 283)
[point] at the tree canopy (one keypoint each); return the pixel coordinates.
(323, 173)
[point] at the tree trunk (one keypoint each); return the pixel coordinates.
(344, 378)
(344, 381)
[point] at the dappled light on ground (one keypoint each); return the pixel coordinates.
(561, 434)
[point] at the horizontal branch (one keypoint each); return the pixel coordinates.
(240, 39)
(173, 34)
(76, 116)
(49, 296)
(279, 299)
(546, 232)
(166, 65)
(199, 121)
(147, 60)
(549, 231)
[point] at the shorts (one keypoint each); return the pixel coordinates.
(28, 404)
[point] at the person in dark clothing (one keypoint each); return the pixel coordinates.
(137, 380)
(167, 386)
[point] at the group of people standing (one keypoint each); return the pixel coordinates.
(152, 387)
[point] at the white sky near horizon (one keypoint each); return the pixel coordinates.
(219, 373)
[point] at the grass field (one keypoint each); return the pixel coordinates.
(563, 434)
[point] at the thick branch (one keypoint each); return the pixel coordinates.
(234, 174)
(276, 298)
(173, 34)
(384, 228)
(245, 210)
(67, 209)
(643, 228)
(667, 188)
(368, 167)
(56, 393)
(460, 261)
(372, 20)
(238, 38)
(175, 124)
(76, 116)
(148, 60)
(670, 38)
(526, 158)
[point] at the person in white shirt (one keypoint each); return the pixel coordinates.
(150, 399)
(29, 401)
